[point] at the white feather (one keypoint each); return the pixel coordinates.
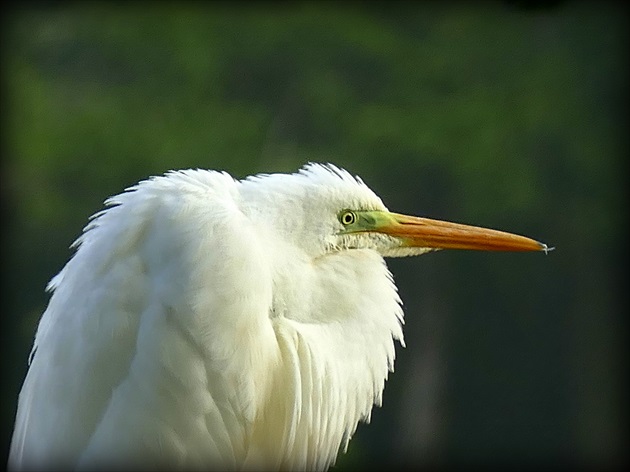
(206, 322)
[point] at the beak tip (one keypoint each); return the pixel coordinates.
(545, 248)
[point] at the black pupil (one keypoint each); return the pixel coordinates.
(348, 218)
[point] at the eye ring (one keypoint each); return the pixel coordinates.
(347, 217)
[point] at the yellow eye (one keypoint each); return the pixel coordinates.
(347, 217)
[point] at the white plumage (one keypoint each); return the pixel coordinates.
(206, 322)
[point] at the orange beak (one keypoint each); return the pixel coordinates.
(423, 232)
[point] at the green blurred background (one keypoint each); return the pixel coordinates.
(494, 114)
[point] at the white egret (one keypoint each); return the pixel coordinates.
(206, 322)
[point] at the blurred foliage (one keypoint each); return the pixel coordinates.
(487, 113)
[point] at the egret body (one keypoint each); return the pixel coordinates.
(206, 322)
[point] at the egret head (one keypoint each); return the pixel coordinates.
(324, 209)
(304, 209)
